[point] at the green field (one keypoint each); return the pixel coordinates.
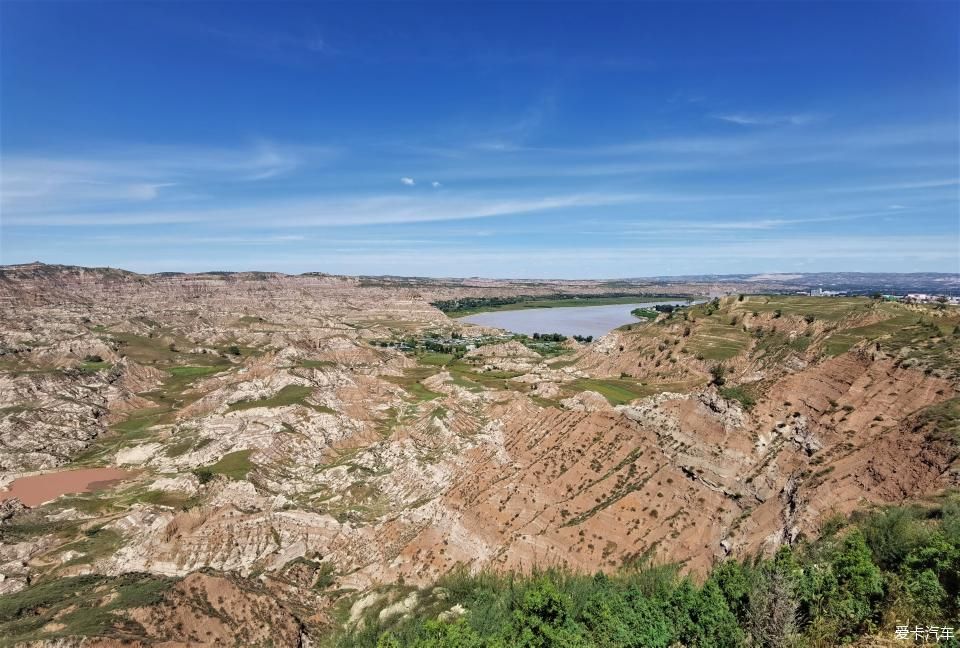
(827, 308)
(618, 391)
(717, 341)
(432, 358)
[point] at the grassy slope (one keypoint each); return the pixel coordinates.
(289, 395)
(233, 465)
(77, 606)
(716, 334)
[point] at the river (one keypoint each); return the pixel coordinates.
(567, 320)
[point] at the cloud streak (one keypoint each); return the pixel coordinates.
(142, 174)
(747, 119)
(318, 212)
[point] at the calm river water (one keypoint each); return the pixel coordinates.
(573, 320)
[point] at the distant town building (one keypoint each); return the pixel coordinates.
(926, 298)
(820, 292)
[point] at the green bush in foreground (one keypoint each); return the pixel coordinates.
(896, 566)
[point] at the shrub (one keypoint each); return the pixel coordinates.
(718, 374)
(773, 609)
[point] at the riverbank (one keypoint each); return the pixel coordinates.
(464, 308)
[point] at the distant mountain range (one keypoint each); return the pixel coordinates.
(850, 282)
(859, 283)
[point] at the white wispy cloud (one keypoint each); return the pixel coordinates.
(140, 173)
(326, 211)
(435, 184)
(187, 239)
(738, 227)
(408, 181)
(899, 186)
(748, 119)
(271, 45)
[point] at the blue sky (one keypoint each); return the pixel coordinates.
(498, 139)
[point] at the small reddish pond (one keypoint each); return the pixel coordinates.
(37, 489)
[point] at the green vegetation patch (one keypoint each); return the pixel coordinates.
(168, 398)
(317, 364)
(19, 408)
(945, 418)
(234, 465)
(33, 523)
(465, 374)
(96, 543)
(462, 373)
(421, 393)
(181, 379)
(740, 394)
(135, 426)
(78, 606)
(714, 340)
(289, 395)
(825, 308)
(432, 358)
(919, 340)
(194, 371)
(544, 402)
(93, 366)
(184, 445)
(618, 391)
(645, 313)
(173, 499)
(843, 340)
(163, 349)
(412, 381)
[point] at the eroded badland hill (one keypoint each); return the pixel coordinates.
(289, 463)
